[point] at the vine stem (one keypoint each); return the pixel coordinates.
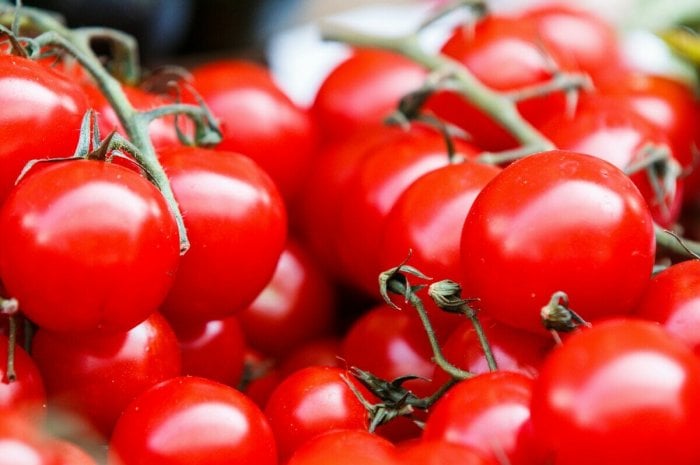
(497, 105)
(54, 33)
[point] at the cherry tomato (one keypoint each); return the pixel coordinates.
(41, 115)
(551, 222)
(213, 349)
(25, 394)
(312, 401)
(295, 306)
(438, 452)
(187, 420)
(672, 298)
(623, 391)
(68, 453)
(258, 120)
(22, 443)
(87, 245)
(345, 447)
(363, 90)
(237, 225)
(95, 376)
(489, 413)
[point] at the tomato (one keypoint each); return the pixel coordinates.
(557, 221)
(438, 452)
(295, 306)
(345, 447)
(588, 40)
(237, 225)
(672, 298)
(68, 453)
(489, 413)
(312, 401)
(87, 245)
(502, 52)
(213, 349)
(22, 443)
(427, 219)
(26, 394)
(610, 129)
(623, 391)
(95, 376)
(258, 120)
(187, 420)
(384, 173)
(315, 352)
(363, 90)
(41, 115)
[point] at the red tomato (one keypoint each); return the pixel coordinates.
(346, 447)
(87, 245)
(95, 376)
(427, 219)
(503, 53)
(623, 391)
(312, 401)
(557, 221)
(587, 40)
(295, 306)
(187, 420)
(258, 120)
(26, 393)
(609, 129)
(672, 298)
(237, 225)
(384, 173)
(67, 453)
(438, 452)
(363, 90)
(316, 352)
(21, 443)
(489, 413)
(41, 115)
(213, 349)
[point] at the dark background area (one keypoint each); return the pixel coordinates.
(184, 29)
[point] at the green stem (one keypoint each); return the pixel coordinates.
(10, 372)
(676, 244)
(495, 104)
(483, 341)
(56, 34)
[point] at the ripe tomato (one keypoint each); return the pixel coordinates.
(489, 413)
(557, 221)
(237, 225)
(295, 306)
(26, 394)
(623, 391)
(187, 420)
(258, 120)
(41, 115)
(87, 245)
(439, 452)
(22, 443)
(672, 298)
(345, 447)
(312, 401)
(213, 349)
(384, 173)
(95, 376)
(363, 90)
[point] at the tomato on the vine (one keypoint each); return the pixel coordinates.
(557, 221)
(87, 245)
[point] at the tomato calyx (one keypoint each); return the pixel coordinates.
(558, 317)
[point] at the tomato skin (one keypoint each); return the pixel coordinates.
(258, 120)
(295, 306)
(43, 106)
(345, 447)
(25, 395)
(557, 221)
(309, 402)
(237, 225)
(87, 245)
(363, 90)
(672, 298)
(623, 391)
(21, 443)
(489, 413)
(96, 376)
(439, 452)
(187, 420)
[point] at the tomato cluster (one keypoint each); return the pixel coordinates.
(542, 319)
